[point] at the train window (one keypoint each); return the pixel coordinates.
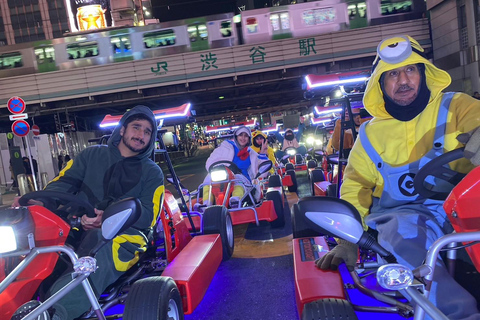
(392, 7)
(252, 25)
(318, 16)
(197, 32)
(192, 33)
(275, 22)
(45, 54)
(159, 38)
(11, 60)
(226, 28)
(357, 10)
(284, 18)
(202, 31)
(82, 50)
(121, 44)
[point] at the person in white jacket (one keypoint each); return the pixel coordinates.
(245, 158)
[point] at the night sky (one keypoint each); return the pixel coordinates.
(168, 10)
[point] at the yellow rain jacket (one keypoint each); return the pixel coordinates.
(402, 142)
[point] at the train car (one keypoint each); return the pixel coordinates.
(216, 31)
(297, 20)
(117, 45)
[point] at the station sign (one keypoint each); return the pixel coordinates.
(20, 128)
(16, 105)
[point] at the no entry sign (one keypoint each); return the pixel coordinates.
(20, 128)
(16, 105)
(35, 130)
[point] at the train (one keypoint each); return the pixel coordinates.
(216, 31)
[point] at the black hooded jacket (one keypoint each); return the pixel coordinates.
(101, 175)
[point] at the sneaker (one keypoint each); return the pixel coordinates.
(234, 202)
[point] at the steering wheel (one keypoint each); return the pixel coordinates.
(437, 169)
(230, 164)
(50, 198)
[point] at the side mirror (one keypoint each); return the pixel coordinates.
(339, 218)
(120, 216)
(264, 167)
(117, 218)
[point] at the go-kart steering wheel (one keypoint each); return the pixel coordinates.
(437, 169)
(50, 198)
(230, 164)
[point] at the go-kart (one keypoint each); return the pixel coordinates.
(324, 180)
(169, 280)
(377, 279)
(222, 180)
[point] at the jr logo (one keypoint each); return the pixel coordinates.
(405, 184)
(160, 65)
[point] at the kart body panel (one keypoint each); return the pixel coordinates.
(50, 230)
(311, 283)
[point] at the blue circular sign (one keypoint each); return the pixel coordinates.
(20, 128)
(16, 105)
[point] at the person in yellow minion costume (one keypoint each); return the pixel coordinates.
(413, 122)
(258, 140)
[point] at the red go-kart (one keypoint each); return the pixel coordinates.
(168, 281)
(377, 288)
(269, 208)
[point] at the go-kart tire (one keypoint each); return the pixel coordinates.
(316, 175)
(300, 227)
(329, 309)
(217, 219)
(293, 187)
(311, 164)
(275, 181)
(276, 197)
(153, 298)
(289, 166)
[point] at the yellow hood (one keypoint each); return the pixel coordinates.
(400, 51)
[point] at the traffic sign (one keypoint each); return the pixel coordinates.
(16, 105)
(35, 130)
(20, 128)
(19, 116)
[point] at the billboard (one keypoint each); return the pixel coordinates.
(85, 15)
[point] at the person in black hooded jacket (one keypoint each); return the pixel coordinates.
(104, 174)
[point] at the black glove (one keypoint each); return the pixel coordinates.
(472, 145)
(345, 251)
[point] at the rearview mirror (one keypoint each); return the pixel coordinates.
(264, 167)
(120, 216)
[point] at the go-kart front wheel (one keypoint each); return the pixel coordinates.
(332, 309)
(153, 298)
(276, 197)
(217, 219)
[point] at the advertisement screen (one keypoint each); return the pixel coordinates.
(85, 15)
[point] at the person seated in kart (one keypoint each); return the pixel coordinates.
(289, 140)
(413, 122)
(347, 135)
(258, 140)
(101, 175)
(247, 160)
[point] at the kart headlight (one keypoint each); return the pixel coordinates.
(291, 152)
(318, 142)
(394, 276)
(310, 140)
(218, 175)
(8, 241)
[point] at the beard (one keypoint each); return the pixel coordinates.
(131, 147)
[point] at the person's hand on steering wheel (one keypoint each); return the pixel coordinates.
(92, 223)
